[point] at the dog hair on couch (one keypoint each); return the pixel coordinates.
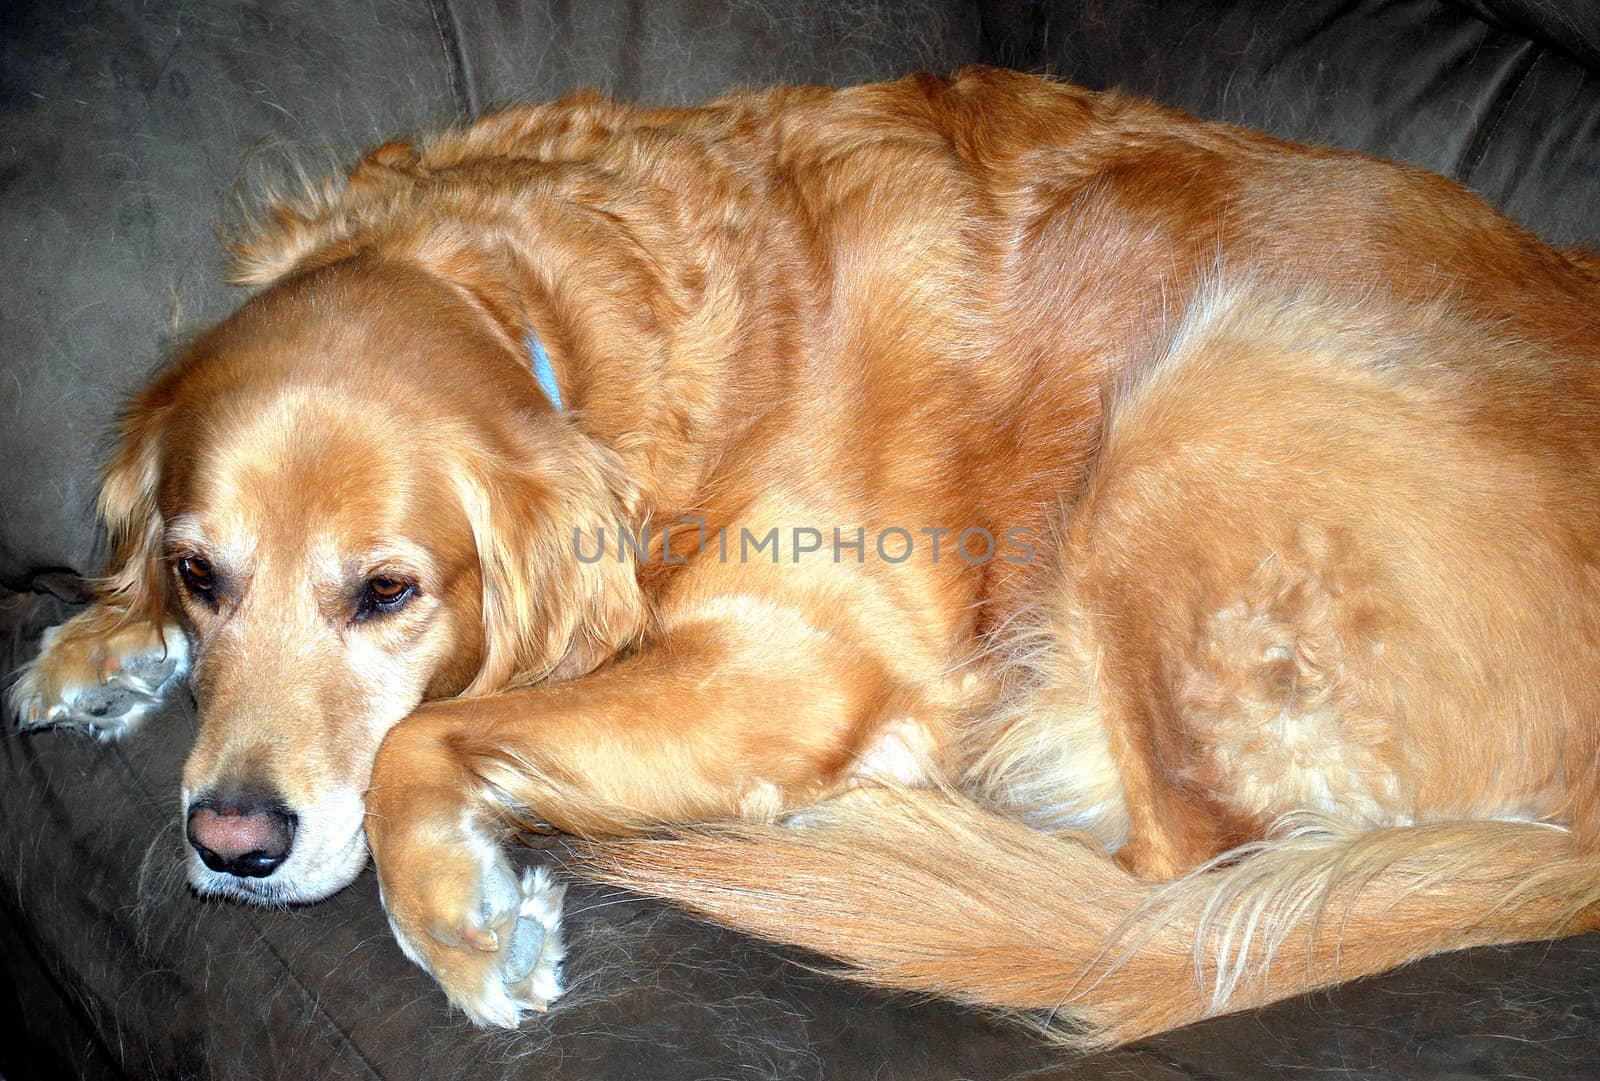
(1033, 546)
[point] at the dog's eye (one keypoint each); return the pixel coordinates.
(198, 578)
(384, 594)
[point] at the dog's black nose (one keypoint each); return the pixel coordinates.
(241, 832)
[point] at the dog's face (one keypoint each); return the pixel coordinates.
(335, 492)
(323, 566)
(329, 586)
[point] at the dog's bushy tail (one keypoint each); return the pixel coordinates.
(925, 892)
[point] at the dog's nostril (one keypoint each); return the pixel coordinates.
(241, 833)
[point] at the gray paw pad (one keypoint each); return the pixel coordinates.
(106, 702)
(527, 942)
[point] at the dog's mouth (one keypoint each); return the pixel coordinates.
(329, 853)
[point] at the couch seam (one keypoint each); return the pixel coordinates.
(1500, 105)
(448, 28)
(1537, 34)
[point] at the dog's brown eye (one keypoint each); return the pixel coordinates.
(384, 594)
(198, 577)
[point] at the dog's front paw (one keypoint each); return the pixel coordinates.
(99, 672)
(490, 937)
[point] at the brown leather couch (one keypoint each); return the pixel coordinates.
(125, 125)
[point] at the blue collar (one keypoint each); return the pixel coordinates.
(543, 371)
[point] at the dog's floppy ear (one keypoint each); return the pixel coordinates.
(127, 507)
(547, 614)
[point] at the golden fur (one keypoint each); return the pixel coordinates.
(1282, 671)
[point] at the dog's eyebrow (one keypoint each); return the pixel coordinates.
(184, 534)
(399, 558)
(183, 531)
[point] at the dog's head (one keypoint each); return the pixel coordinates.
(355, 495)
(354, 498)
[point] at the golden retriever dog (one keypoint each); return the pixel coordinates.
(1027, 544)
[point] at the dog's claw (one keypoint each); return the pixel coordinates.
(481, 938)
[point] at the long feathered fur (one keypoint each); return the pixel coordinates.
(925, 892)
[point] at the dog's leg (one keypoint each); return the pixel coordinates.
(103, 671)
(692, 729)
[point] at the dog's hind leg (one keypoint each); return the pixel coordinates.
(1040, 748)
(1323, 575)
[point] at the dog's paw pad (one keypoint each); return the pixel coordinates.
(148, 673)
(500, 956)
(102, 705)
(524, 916)
(522, 955)
(98, 676)
(532, 965)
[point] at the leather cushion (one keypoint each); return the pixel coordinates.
(1511, 117)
